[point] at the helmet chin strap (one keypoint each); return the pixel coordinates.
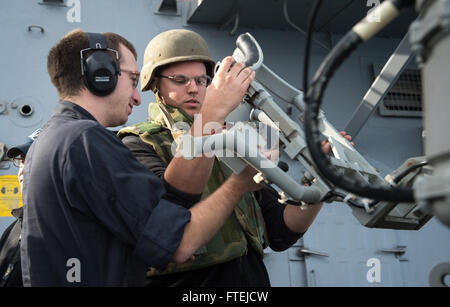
(154, 86)
(162, 106)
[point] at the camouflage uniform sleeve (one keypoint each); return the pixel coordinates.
(280, 236)
(146, 155)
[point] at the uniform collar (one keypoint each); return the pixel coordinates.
(68, 108)
(165, 115)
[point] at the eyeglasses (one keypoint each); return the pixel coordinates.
(134, 76)
(202, 80)
(19, 161)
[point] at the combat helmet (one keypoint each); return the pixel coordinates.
(170, 47)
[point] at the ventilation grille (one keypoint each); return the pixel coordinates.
(405, 97)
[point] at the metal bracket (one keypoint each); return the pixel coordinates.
(381, 86)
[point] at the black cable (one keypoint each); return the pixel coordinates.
(313, 100)
(403, 174)
(373, 203)
(354, 203)
(402, 3)
(309, 32)
(350, 202)
(335, 15)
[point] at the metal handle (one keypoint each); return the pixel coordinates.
(305, 251)
(250, 50)
(396, 251)
(37, 27)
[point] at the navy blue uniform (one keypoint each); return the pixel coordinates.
(93, 215)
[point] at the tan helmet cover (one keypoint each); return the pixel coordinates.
(170, 47)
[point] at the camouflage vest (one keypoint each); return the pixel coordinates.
(245, 227)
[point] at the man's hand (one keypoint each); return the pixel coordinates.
(244, 180)
(227, 89)
(326, 147)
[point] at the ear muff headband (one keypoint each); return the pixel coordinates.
(99, 69)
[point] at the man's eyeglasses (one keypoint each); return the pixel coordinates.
(134, 76)
(19, 161)
(202, 80)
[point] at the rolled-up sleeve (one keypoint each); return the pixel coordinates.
(162, 234)
(280, 236)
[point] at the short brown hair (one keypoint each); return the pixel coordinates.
(64, 64)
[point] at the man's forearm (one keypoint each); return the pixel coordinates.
(191, 176)
(299, 220)
(207, 217)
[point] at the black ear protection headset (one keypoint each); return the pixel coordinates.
(99, 70)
